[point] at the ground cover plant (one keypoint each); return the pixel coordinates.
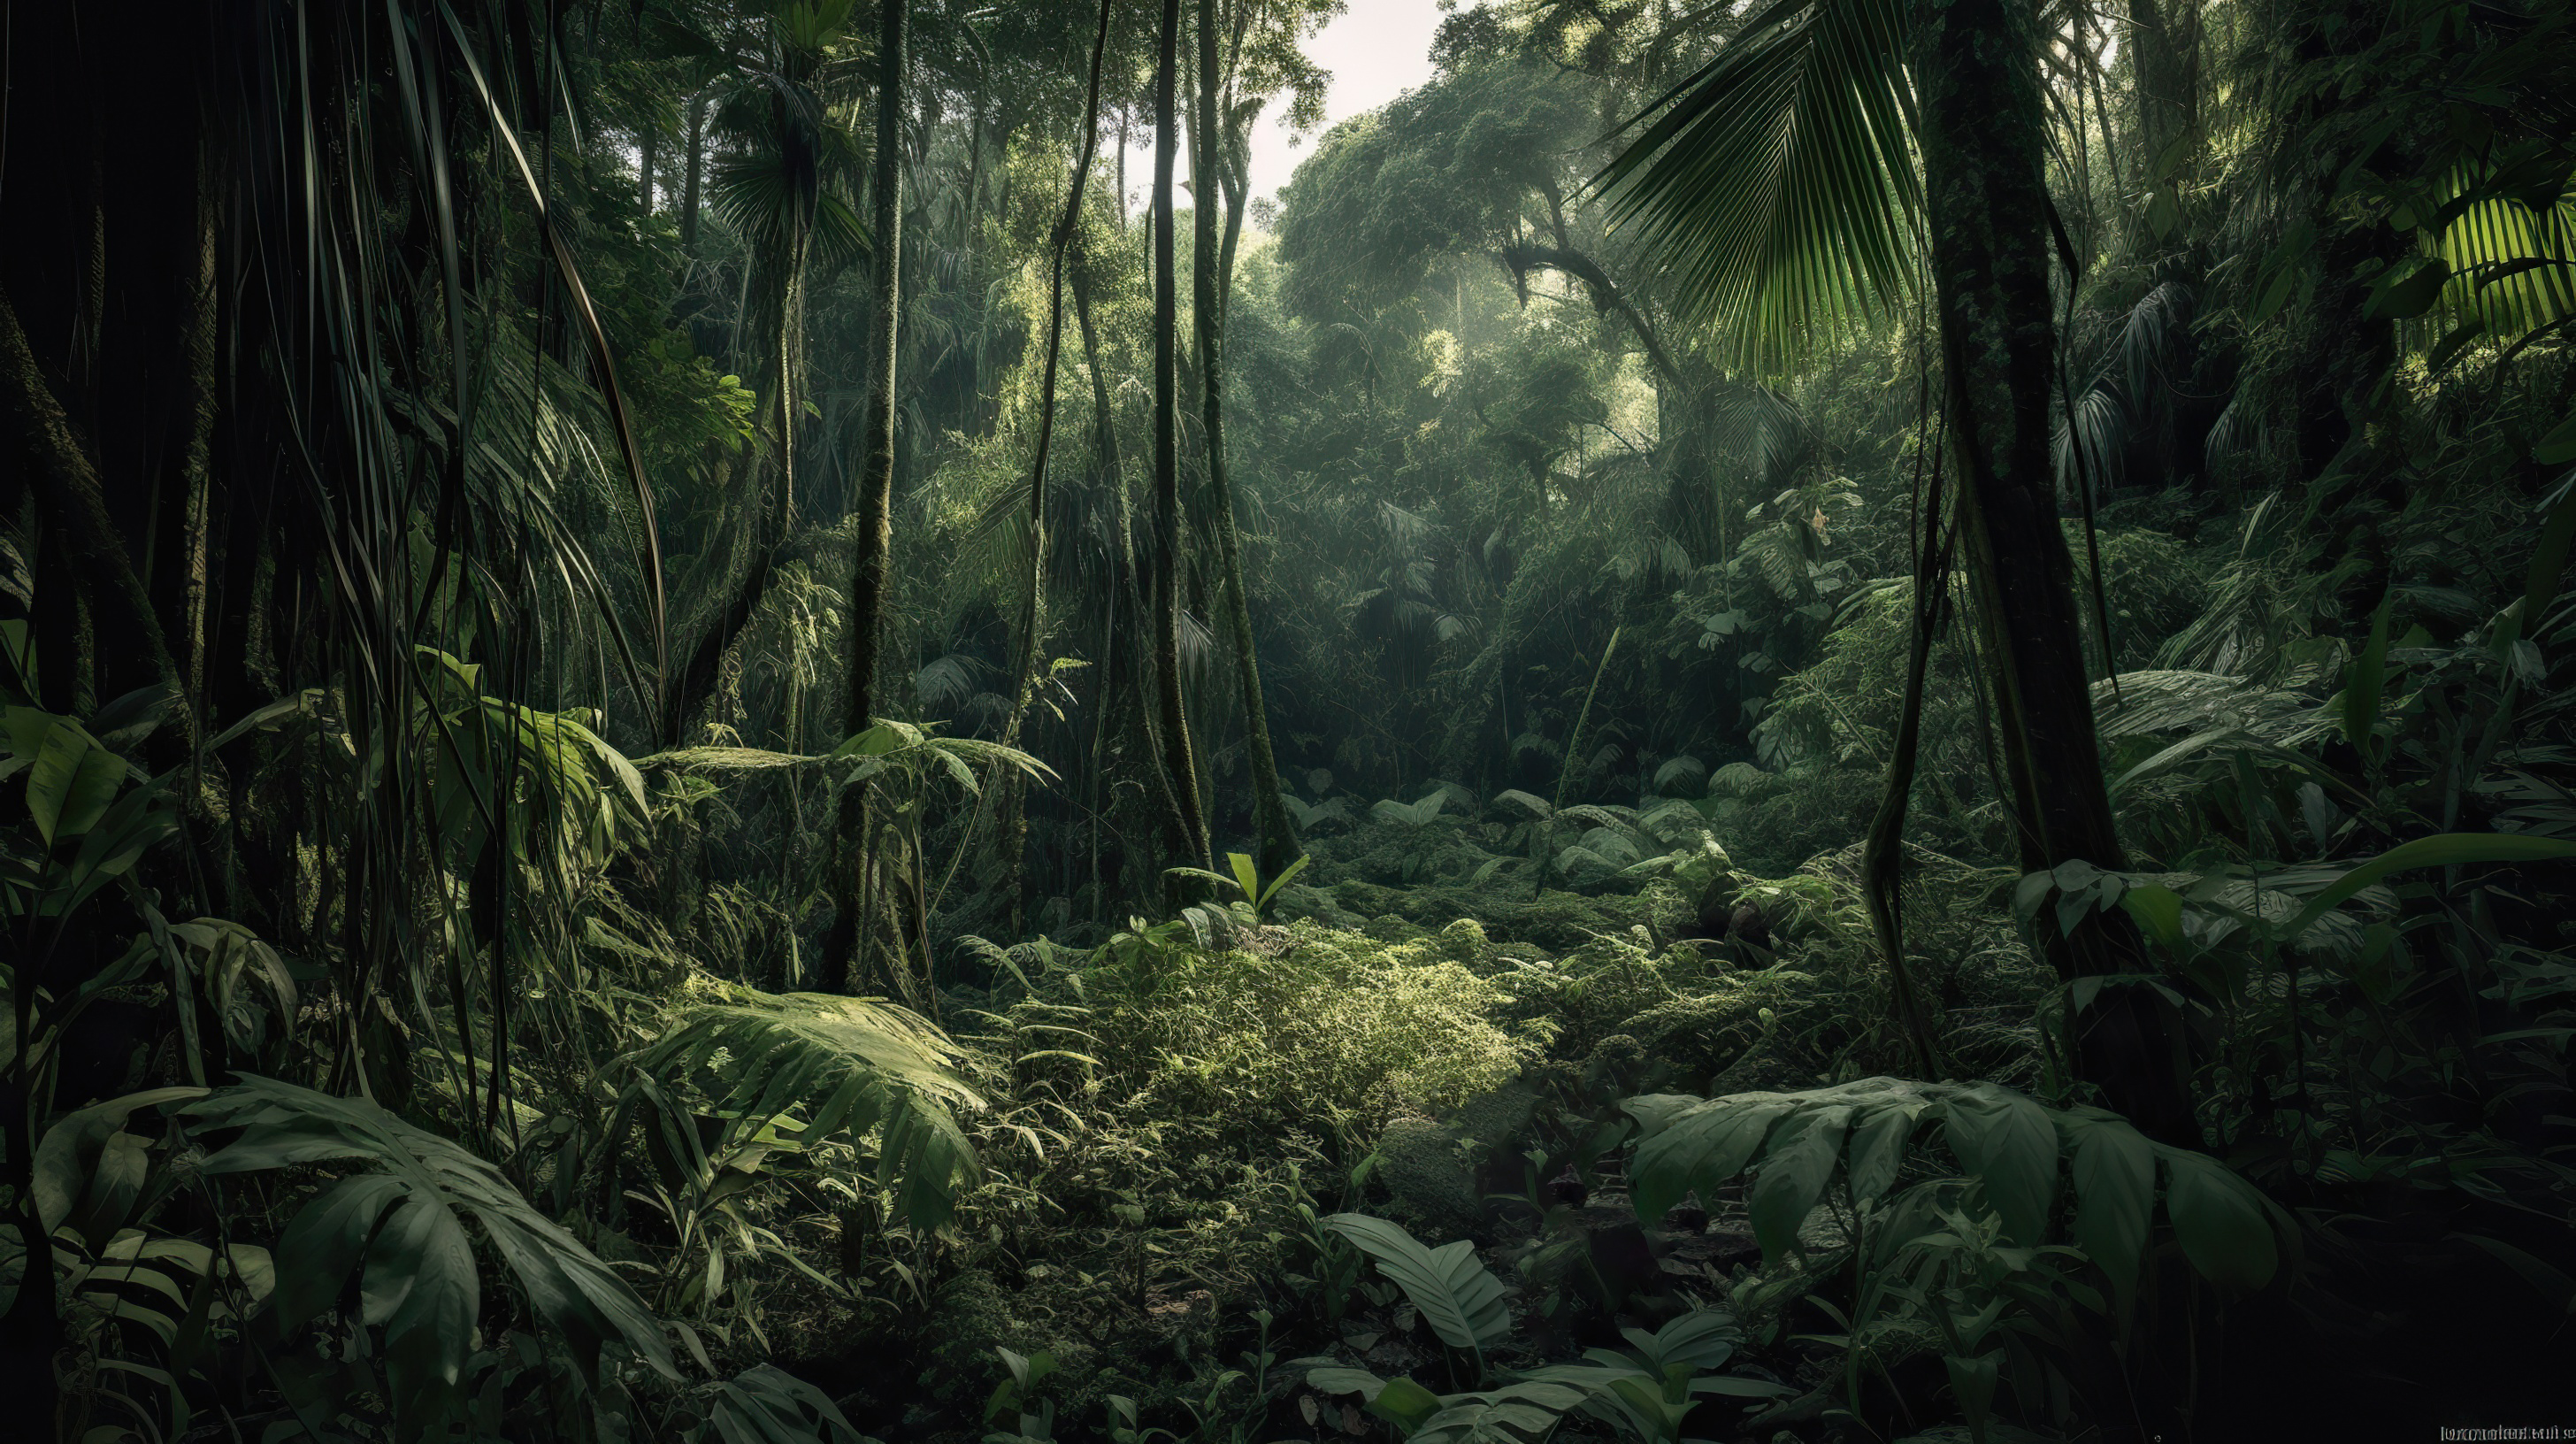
(782, 720)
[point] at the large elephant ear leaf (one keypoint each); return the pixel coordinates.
(2115, 1193)
(1697, 1149)
(1794, 1173)
(403, 1222)
(2219, 1220)
(1458, 1297)
(2010, 1143)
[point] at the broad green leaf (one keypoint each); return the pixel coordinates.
(2219, 1220)
(1514, 1414)
(1338, 1380)
(2448, 849)
(1700, 1149)
(767, 1405)
(2158, 910)
(586, 1302)
(1458, 1297)
(1794, 1172)
(2163, 212)
(124, 1161)
(2115, 1190)
(2010, 1142)
(2409, 288)
(1656, 1111)
(420, 1287)
(2362, 681)
(65, 1155)
(325, 1241)
(1286, 874)
(2548, 560)
(71, 783)
(2559, 446)
(1878, 1148)
(1405, 1404)
(1702, 1339)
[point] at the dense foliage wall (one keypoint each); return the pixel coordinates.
(473, 974)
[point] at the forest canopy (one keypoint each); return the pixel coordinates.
(794, 720)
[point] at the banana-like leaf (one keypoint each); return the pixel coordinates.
(1458, 1297)
(402, 1224)
(1695, 1146)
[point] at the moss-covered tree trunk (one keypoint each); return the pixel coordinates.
(1984, 146)
(1189, 844)
(1279, 846)
(1013, 804)
(874, 541)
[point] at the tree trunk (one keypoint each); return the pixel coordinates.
(875, 538)
(1983, 143)
(774, 514)
(689, 180)
(69, 485)
(2163, 44)
(1105, 440)
(1014, 825)
(648, 150)
(1190, 843)
(1279, 845)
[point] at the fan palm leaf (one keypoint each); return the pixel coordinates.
(1777, 182)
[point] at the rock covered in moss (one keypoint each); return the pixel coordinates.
(1430, 1188)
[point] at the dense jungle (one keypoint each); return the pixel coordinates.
(1772, 720)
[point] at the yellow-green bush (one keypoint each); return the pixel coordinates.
(1328, 1029)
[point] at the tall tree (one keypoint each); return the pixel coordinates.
(1014, 821)
(1191, 843)
(1210, 158)
(1781, 243)
(1984, 140)
(874, 540)
(780, 192)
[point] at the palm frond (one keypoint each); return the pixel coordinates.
(851, 1064)
(1776, 184)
